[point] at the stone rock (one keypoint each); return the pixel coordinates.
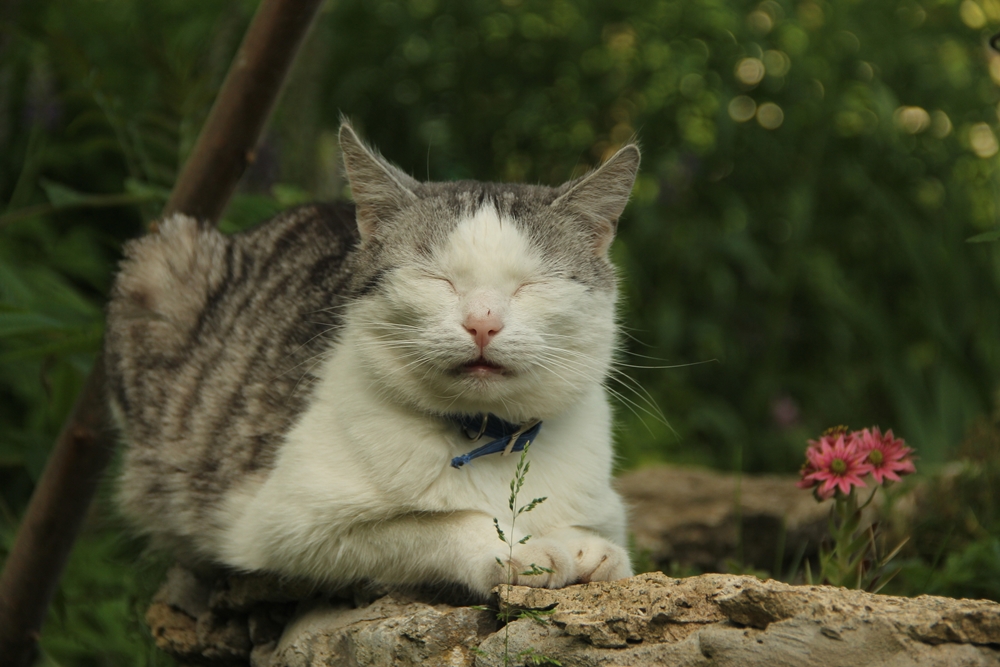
(724, 620)
(390, 631)
(264, 621)
(173, 631)
(651, 619)
(689, 518)
(184, 625)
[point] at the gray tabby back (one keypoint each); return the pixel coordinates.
(209, 348)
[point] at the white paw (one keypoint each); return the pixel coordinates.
(539, 562)
(596, 559)
(567, 556)
(542, 563)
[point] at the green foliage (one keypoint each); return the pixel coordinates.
(972, 571)
(98, 613)
(992, 235)
(98, 106)
(955, 545)
(855, 559)
(795, 249)
(531, 656)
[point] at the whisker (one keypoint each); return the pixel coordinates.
(655, 412)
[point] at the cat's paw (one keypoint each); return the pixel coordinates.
(600, 560)
(594, 558)
(564, 557)
(542, 563)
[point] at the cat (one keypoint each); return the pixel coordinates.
(303, 397)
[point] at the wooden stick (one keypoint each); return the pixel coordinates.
(66, 488)
(227, 141)
(50, 526)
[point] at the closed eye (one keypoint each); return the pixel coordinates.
(522, 286)
(442, 279)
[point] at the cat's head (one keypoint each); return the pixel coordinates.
(483, 297)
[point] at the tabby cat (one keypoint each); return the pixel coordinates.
(333, 393)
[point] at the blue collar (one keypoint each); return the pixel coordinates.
(504, 436)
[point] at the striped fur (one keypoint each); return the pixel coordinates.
(210, 350)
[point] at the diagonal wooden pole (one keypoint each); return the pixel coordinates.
(83, 449)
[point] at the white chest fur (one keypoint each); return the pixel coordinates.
(359, 473)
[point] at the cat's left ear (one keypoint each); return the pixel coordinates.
(379, 188)
(599, 198)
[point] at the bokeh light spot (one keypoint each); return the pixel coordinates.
(770, 116)
(750, 71)
(982, 140)
(930, 193)
(416, 50)
(940, 124)
(760, 22)
(810, 15)
(776, 63)
(742, 108)
(912, 120)
(972, 14)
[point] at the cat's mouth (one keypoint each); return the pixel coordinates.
(481, 367)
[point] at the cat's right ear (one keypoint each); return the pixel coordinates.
(378, 188)
(597, 199)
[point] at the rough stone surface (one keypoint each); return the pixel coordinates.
(723, 620)
(185, 626)
(390, 631)
(694, 518)
(651, 619)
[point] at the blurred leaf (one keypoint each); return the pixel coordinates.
(148, 191)
(244, 211)
(61, 196)
(40, 289)
(13, 322)
(992, 235)
(84, 340)
(290, 195)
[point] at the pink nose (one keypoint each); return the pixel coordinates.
(483, 328)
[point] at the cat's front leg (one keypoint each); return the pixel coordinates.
(560, 558)
(410, 549)
(465, 548)
(422, 547)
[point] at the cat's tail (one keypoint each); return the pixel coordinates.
(168, 276)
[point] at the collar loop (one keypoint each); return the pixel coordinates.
(504, 436)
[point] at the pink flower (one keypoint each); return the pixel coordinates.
(834, 463)
(812, 451)
(809, 467)
(887, 456)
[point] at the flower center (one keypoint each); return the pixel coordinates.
(838, 466)
(875, 457)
